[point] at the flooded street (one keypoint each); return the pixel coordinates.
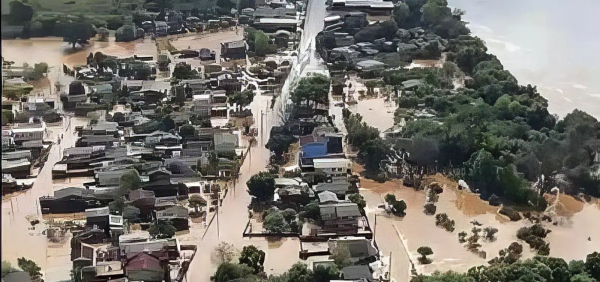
(18, 240)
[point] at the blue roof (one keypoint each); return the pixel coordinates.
(314, 149)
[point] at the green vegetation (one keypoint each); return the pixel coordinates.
(253, 257)
(7, 117)
(359, 200)
(6, 268)
(398, 207)
(424, 252)
(261, 186)
(360, 135)
(539, 268)
(162, 229)
(30, 267)
(184, 71)
(312, 90)
(534, 236)
(442, 220)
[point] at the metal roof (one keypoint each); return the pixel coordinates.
(332, 163)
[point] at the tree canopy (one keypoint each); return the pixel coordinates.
(261, 186)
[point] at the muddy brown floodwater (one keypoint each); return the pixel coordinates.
(568, 240)
(55, 52)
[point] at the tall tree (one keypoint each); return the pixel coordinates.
(253, 257)
(261, 186)
(77, 33)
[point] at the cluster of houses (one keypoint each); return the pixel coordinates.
(128, 257)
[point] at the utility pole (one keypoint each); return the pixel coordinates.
(262, 142)
(390, 267)
(375, 227)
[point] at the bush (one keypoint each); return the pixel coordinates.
(442, 219)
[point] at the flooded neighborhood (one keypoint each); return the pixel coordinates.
(290, 141)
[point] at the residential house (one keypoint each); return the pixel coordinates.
(274, 24)
(71, 200)
(371, 7)
(340, 188)
(225, 141)
(295, 194)
(97, 140)
(340, 218)
(146, 267)
(177, 215)
(104, 92)
(360, 248)
(161, 28)
(23, 132)
(234, 50)
(328, 197)
(336, 169)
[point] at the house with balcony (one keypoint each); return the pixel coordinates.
(335, 169)
(339, 218)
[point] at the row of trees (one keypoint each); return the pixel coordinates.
(372, 149)
(250, 266)
(539, 268)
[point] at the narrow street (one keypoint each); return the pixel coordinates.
(19, 210)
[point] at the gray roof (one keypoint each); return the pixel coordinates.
(76, 191)
(339, 188)
(327, 197)
(356, 272)
(173, 212)
(369, 65)
(333, 211)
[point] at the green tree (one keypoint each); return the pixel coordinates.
(401, 13)
(253, 257)
(129, 181)
(7, 117)
(424, 252)
(223, 253)
(340, 255)
(30, 267)
(77, 33)
(299, 272)
(399, 207)
(490, 233)
(358, 199)
(311, 211)
(313, 89)
(275, 223)
(325, 273)
(230, 271)
(6, 268)
(162, 229)
(592, 264)
(187, 131)
(20, 13)
(196, 201)
(184, 71)
(261, 43)
(261, 186)
(372, 153)
(117, 205)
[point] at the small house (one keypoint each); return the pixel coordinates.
(340, 218)
(234, 50)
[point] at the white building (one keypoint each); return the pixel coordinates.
(338, 168)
